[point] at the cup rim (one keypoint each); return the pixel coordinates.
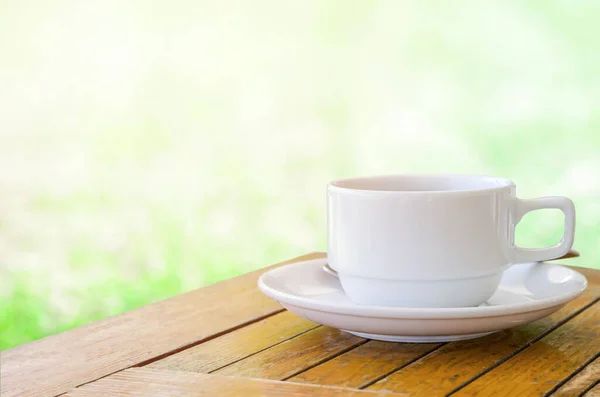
(492, 184)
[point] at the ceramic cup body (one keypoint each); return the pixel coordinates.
(430, 240)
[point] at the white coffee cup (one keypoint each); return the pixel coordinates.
(430, 240)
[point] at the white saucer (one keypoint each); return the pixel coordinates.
(527, 293)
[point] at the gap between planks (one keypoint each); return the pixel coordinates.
(457, 363)
(198, 342)
(398, 368)
(593, 386)
(527, 345)
(159, 383)
(557, 389)
(57, 363)
(263, 349)
(175, 351)
(343, 351)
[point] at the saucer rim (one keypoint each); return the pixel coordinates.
(411, 312)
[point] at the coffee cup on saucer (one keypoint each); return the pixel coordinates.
(430, 240)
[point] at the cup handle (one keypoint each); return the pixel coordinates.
(563, 246)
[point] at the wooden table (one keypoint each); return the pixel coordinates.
(228, 339)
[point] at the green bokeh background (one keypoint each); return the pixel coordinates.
(149, 148)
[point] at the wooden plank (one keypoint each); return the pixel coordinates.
(546, 363)
(456, 363)
(60, 362)
(160, 383)
(582, 381)
(592, 275)
(236, 345)
(365, 364)
(293, 356)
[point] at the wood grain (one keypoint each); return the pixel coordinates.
(291, 357)
(363, 365)
(162, 383)
(226, 349)
(582, 381)
(455, 363)
(546, 363)
(60, 362)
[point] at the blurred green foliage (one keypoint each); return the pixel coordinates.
(147, 148)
